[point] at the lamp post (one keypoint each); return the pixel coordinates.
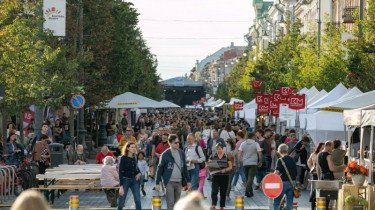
(360, 31)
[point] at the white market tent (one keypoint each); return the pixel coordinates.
(169, 104)
(130, 100)
(333, 95)
(352, 92)
(214, 103)
(232, 100)
(324, 125)
(358, 101)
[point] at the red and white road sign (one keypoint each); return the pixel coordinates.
(272, 185)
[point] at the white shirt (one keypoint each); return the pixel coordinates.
(206, 134)
(227, 135)
(143, 166)
(191, 154)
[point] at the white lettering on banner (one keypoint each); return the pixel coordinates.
(266, 99)
(259, 98)
(272, 186)
(273, 105)
(263, 108)
(54, 13)
(296, 102)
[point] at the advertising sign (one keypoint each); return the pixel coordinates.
(54, 13)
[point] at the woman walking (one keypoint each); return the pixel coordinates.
(287, 169)
(129, 176)
(41, 154)
(220, 179)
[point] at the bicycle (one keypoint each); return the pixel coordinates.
(23, 173)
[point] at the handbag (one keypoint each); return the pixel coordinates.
(296, 192)
(202, 165)
(183, 180)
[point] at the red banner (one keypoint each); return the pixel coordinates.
(259, 98)
(263, 109)
(286, 90)
(297, 101)
(275, 113)
(256, 84)
(274, 105)
(276, 95)
(26, 118)
(238, 106)
(266, 99)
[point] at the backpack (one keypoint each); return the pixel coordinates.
(202, 165)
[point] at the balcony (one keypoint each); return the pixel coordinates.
(348, 14)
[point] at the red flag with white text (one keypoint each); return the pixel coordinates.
(286, 90)
(238, 106)
(256, 84)
(263, 109)
(297, 101)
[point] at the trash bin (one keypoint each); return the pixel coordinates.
(57, 151)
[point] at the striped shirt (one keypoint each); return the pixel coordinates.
(223, 162)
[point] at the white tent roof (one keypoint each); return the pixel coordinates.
(130, 100)
(214, 103)
(220, 104)
(361, 100)
(303, 90)
(352, 92)
(333, 95)
(311, 92)
(317, 97)
(169, 104)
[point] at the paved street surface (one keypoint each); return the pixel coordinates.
(97, 200)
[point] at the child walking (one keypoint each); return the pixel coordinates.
(202, 177)
(143, 168)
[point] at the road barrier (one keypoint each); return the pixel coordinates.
(239, 202)
(7, 178)
(74, 202)
(321, 203)
(156, 202)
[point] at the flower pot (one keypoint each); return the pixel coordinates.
(358, 179)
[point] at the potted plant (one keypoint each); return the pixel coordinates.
(358, 172)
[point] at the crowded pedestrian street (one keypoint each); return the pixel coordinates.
(187, 105)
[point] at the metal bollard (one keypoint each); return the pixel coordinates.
(295, 205)
(321, 203)
(74, 202)
(156, 202)
(239, 202)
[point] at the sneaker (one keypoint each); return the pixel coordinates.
(143, 192)
(257, 187)
(221, 208)
(228, 198)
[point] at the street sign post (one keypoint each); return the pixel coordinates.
(77, 101)
(272, 185)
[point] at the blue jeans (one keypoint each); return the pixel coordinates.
(134, 186)
(238, 173)
(261, 173)
(269, 162)
(288, 191)
(194, 177)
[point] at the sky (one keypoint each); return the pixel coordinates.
(179, 32)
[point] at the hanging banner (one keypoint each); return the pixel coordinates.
(26, 118)
(266, 99)
(274, 105)
(256, 84)
(259, 98)
(297, 101)
(238, 106)
(286, 90)
(54, 13)
(263, 109)
(276, 95)
(275, 113)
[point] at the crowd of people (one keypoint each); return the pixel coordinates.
(177, 148)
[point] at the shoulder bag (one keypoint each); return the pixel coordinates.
(296, 192)
(202, 165)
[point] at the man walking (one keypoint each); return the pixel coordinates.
(249, 151)
(172, 169)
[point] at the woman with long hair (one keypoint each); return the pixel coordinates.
(232, 153)
(129, 175)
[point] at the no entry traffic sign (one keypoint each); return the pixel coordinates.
(272, 185)
(77, 101)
